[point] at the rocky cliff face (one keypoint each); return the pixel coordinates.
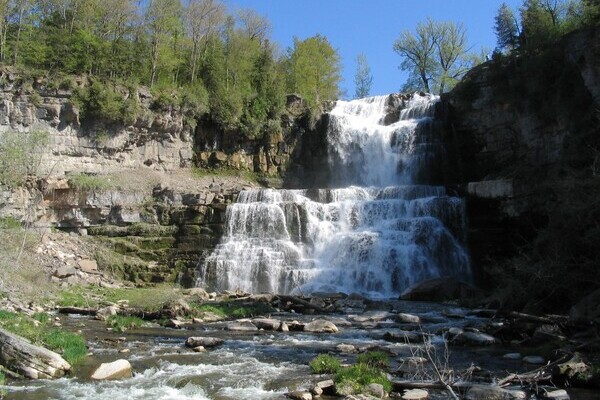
(523, 130)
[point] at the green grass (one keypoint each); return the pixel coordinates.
(376, 359)
(233, 310)
(147, 299)
(121, 323)
(10, 223)
(2, 378)
(325, 364)
(88, 182)
(361, 375)
(72, 346)
(227, 172)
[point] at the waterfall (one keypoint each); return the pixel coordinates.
(376, 234)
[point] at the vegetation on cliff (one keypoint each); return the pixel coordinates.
(195, 55)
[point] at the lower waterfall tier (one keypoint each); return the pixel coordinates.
(376, 242)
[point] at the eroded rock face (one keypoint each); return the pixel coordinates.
(19, 355)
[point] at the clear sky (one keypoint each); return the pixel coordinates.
(371, 27)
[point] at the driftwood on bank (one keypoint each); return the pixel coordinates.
(539, 375)
(26, 359)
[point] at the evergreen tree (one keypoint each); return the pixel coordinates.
(507, 28)
(363, 79)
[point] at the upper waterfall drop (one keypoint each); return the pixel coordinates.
(376, 233)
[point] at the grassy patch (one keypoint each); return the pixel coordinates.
(88, 183)
(121, 323)
(325, 364)
(10, 223)
(233, 310)
(376, 359)
(39, 331)
(147, 299)
(251, 176)
(361, 375)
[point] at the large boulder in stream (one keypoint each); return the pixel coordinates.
(207, 341)
(24, 358)
(320, 326)
(440, 289)
(119, 369)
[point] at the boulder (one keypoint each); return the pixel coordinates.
(440, 289)
(20, 356)
(375, 390)
(241, 325)
(485, 392)
(415, 394)
(474, 339)
(205, 341)
(119, 369)
(89, 266)
(268, 324)
(299, 395)
(408, 319)
(320, 326)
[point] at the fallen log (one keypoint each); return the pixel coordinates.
(77, 310)
(297, 300)
(26, 359)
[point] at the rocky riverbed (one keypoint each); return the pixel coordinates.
(267, 356)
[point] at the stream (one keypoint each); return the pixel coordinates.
(256, 365)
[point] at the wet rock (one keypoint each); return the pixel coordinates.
(512, 356)
(300, 395)
(283, 327)
(327, 386)
(474, 339)
(105, 312)
(345, 348)
(241, 325)
(408, 318)
(119, 369)
(207, 341)
(295, 326)
(316, 391)
(20, 356)
(439, 289)
(415, 394)
(546, 333)
(199, 349)
(484, 392)
(560, 394)
(375, 390)
(174, 323)
(268, 324)
(320, 326)
(404, 336)
(413, 360)
(538, 360)
(453, 332)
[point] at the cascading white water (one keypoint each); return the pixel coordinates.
(378, 235)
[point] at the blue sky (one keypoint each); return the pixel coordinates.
(371, 26)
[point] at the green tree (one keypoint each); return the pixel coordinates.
(507, 28)
(162, 20)
(363, 79)
(314, 70)
(451, 50)
(417, 51)
(538, 26)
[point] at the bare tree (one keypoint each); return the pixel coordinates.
(201, 20)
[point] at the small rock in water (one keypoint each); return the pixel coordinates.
(316, 391)
(512, 356)
(415, 394)
(268, 324)
(300, 395)
(197, 320)
(485, 392)
(199, 349)
(408, 318)
(474, 339)
(345, 348)
(124, 351)
(283, 327)
(320, 326)
(534, 360)
(403, 336)
(241, 325)
(556, 395)
(119, 369)
(195, 341)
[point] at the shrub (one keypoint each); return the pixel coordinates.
(20, 155)
(325, 364)
(376, 359)
(360, 375)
